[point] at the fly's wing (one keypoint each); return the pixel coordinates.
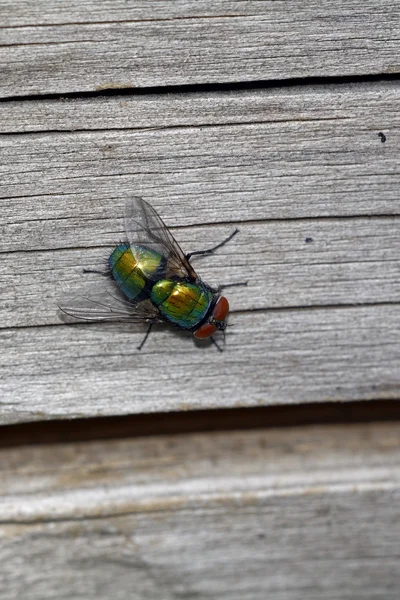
(97, 302)
(145, 229)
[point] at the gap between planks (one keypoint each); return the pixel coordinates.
(178, 423)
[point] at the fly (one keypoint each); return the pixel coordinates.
(155, 281)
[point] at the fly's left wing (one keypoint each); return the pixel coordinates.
(145, 229)
(102, 302)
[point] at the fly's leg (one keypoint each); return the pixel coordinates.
(142, 343)
(216, 345)
(103, 273)
(211, 250)
(228, 285)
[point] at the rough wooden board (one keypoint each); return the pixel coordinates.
(302, 159)
(307, 165)
(131, 49)
(49, 12)
(345, 261)
(372, 105)
(292, 513)
(272, 357)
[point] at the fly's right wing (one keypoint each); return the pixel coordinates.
(145, 229)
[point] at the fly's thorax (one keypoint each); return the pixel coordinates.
(131, 270)
(215, 321)
(185, 304)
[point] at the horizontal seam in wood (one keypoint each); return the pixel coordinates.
(127, 21)
(271, 221)
(272, 309)
(205, 125)
(222, 86)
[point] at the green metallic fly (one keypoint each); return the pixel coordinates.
(154, 282)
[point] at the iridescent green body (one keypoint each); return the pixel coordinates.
(182, 303)
(185, 304)
(128, 273)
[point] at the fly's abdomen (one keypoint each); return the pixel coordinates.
(184, 304)
(130, 273)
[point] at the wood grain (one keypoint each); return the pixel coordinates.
(372, 105)
(272, 357)
(304, 512)
(299, 161)
(319, 320)
(46, 50)
(288, 264)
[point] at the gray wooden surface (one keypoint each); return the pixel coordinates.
(319, 319)
(275, 357)
(349, 262)
(249, 156)
(285, 514)
(90, 46)
(302, 170)
(366, 107)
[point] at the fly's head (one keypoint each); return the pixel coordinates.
(216, 321)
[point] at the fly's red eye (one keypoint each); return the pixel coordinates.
(205, 331)
(221, 309)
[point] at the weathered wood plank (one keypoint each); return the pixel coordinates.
(372, 105)
(154, 45)
(309, 262)
(49, 12)
(293, 513)
(297, 158)
(272, 357)
(307, 165)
